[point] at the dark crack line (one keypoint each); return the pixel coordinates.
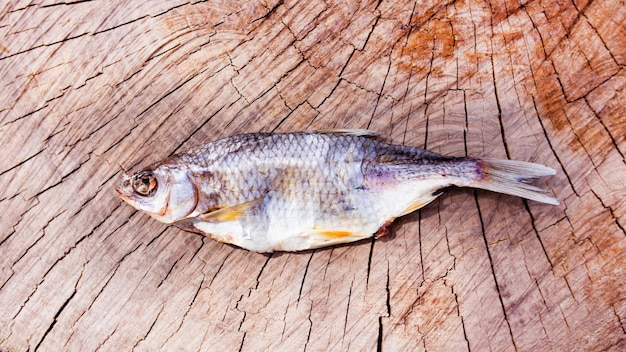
(380, 93)
(64, 3)
(243, 339)
(606, 129)
(495, 92)
(175, 7)
(171, 91)
(92, 132)
(556, 155)
(25, 115)
(143, 338)
(369, 261)
(580, 15)
(182, 321)
(458, 312)
(44, 45)
(270, 12)
(22, 162)
(106, 339)
(170, 271)
(291, 111)
(58, 313)
(219, 268)
(379, 340)
(273, 86)
(96, 193)
(104, 286)
(256, 286)
(202, 243)
(153, 239)
(599, 36)
(369, 35)
(64, 177)
(611, 211)
(421, 245)
(120, 25)
(43, 234)
(533, 224)
(13, 228)
(306, 270)
(619, 320)
(308, 336)
(493, 271)
(345, 321)
(120, 139)
(79, 241)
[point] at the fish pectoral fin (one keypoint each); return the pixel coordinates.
(350, 132)
(420, 203)
(232, 213)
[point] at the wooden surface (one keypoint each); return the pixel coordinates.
(92, 87)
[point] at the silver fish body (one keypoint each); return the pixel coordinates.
(296, 191)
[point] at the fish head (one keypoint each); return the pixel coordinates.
(164, 191)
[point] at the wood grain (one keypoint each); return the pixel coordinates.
(92, 88)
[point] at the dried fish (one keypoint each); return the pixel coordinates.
(297, 191)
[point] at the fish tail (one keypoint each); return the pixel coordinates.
(512, 177)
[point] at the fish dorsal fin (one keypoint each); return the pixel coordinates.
(350, 132)
(232, 213)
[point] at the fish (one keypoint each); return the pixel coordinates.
(268, 192)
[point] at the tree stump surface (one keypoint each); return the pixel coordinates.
(91, 88)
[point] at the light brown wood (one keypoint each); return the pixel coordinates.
(90, 88)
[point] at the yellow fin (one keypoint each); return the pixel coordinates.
(323, 238)
(231, 213)
(335, 234)
(350, 132)
(420, 203)
(338, 236)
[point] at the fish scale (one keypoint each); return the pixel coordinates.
(296, 191)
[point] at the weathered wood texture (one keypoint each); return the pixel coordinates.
(91, 87)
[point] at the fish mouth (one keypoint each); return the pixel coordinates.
(121, 194)
(122, 188)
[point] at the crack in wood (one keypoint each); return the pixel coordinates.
(611, 211)
(304, 274)
(184, 317)
(621, 322)
(554, 152)
(28, 114)
(40, 46)
(354, 29)
(493, 272)
(60, 310)
(604, 126)
(145, 336)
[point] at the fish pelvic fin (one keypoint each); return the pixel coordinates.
(319, 237)
(512, 177)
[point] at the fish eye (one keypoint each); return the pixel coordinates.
(144, 183)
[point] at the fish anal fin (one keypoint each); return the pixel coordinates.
(420, 203)
(232, 213)
(350, 132)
